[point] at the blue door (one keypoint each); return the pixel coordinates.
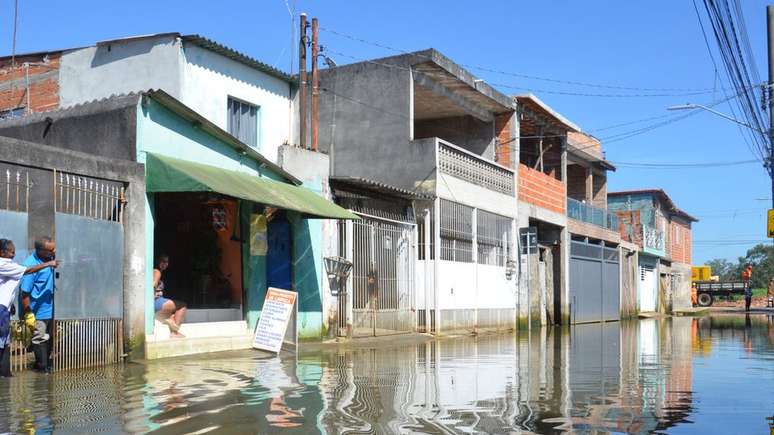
(278, 260)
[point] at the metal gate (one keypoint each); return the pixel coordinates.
(594, 282)
(88, 301)
(383, 258)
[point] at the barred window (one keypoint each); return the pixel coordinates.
(493, 236)
(456, 232)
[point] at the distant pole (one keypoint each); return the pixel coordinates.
(769, 92)
(315, 84)
(302, 84)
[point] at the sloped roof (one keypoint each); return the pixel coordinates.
(662, 195)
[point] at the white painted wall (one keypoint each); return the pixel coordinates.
(209, 79)
(201, 79)
(97, 72)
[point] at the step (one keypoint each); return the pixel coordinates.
(236, 328)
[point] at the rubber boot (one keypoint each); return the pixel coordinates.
(5, 362)
(41, 356)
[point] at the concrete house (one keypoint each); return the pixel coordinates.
(232, 222)
(580, 271)
(420, 127)
(651, 220)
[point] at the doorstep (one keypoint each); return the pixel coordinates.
(199, 338)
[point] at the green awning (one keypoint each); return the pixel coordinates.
(168, 174)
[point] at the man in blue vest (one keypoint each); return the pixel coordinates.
(38, 298)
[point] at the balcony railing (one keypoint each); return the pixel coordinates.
(459, 163)
(592, 215)
(652, 240)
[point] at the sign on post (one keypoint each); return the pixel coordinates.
(529, 242)
(771, 223)
(278, 308)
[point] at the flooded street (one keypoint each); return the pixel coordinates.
(680, 375)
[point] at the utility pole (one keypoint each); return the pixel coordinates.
(315, 84)
(302, 84)
(769, 92)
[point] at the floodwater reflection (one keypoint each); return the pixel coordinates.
(679, 375)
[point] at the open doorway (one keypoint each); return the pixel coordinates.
(201, 234)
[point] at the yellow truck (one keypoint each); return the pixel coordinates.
(707, 287)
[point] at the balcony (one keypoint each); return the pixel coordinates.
(462, 164)
(596, 216)
(653, 241)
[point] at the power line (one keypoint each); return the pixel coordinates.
(524, 76)
(531, 89)
(655, 165)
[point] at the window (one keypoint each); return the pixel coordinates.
(243, 121)
(677, 234)
(16, 112)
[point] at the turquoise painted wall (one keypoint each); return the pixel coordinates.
(161, 131)
(641, 202)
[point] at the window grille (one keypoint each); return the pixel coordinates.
(493, 237)
(456, 232)
(243, 121)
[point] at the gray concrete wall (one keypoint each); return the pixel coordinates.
(122, 67)
(365, 126)
(464, 131)
(106, 129)
(43, 160)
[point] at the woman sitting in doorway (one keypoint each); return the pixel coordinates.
(173, 312)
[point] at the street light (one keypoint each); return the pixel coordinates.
(691, 106)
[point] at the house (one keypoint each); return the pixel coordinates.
(580, 270)
(232, 222)
(422, 127)
(241, 95)
(651, 220)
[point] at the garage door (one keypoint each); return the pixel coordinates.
(594, 283)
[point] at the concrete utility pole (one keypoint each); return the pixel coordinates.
(770, 28)
(315, 85)
(302, 84)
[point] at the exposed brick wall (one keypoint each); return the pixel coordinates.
(599, 190)
(43, 72)
(681, 242)
(630, 226)
(542, 190)
(586, 142)
(576, 182)
(505, 145)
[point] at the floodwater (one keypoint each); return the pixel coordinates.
(682, 375)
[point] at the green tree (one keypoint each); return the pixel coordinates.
(760, 256)
(723, 268)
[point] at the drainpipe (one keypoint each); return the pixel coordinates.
(436, 263)
(475, 267)
(427, 239)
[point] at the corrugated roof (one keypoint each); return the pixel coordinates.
(376, 186)
(236, 56)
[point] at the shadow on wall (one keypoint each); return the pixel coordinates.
(223, 66)
(112, 52)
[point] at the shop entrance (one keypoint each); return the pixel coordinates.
(200, 233)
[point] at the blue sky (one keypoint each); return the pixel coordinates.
(655, 44)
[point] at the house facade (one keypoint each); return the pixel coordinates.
(232, 222)
(421, 125)
(651, 220)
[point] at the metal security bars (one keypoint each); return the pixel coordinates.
(92, 198)
(494, 234)
(467, 166)
(456, 232)
(15, 190)
(383, 257)
(87, 343)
